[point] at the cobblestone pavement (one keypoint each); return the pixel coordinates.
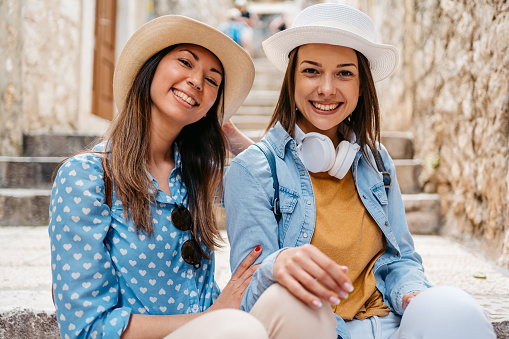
(25, 277)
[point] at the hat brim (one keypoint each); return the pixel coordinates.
(383, 59)
(170, 30)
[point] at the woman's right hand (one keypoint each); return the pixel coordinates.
(232, 294)
(311, 276)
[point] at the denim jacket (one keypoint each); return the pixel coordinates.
(250, 219)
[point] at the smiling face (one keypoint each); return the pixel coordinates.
(326, 87)
(185, 85)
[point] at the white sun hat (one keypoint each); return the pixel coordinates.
(169, 30)
(333, 24)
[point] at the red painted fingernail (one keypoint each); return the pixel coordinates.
(258, 248)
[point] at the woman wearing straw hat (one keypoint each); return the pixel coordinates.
(336, 236)
(131, 222)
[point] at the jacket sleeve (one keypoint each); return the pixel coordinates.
(85, 285)
(250, 220)
(406, 274)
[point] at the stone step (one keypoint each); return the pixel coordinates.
(268, 81)
(244, 122)
(29, 207)
(245, 110)
(27, 172)
(422, 213)
(398, 144)
(262, 98)
(56, 144)
(408, 171)
(25, 207)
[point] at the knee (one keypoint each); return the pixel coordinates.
(240, 324)
(441, 300)
(286, 310)
(446, 309)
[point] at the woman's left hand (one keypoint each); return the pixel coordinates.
(408, 297)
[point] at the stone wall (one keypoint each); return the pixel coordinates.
(452, 91)
(11, 134)
(51, 61)
(39, 63)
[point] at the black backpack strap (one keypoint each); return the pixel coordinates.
(385, 175)
(272, 164)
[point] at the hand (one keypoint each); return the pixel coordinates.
(234, 291)
(408, 297)
(237, 141)
(310, 275)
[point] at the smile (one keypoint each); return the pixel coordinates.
(327, 107)
(184, 97)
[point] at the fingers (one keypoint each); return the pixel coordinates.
(311, 276)
(247, 262)
(408, 297)
(326, 271)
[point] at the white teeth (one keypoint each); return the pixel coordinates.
(184, 97)
(322, 107)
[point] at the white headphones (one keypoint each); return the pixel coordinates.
(318, 154)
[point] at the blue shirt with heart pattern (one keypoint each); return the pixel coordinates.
(103, 270)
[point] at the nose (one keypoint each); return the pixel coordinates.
(194, 81)
(326, 86)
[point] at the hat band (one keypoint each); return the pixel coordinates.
(343, 26)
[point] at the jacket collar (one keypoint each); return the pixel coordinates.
(278, 138)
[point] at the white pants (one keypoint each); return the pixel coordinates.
(441, 312)
(277, 315)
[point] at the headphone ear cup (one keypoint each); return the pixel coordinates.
(317, 152)
(345, 155)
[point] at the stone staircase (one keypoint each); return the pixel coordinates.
(25, 182)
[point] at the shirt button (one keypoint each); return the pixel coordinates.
(386, 223)
(308, 202)
(363, 197)
(305, 235)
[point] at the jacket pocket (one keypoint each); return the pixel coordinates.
(379, 193)
(287, 201)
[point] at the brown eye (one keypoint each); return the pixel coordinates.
(185, 62)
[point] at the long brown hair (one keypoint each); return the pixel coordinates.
(202, 148)
(364, 120)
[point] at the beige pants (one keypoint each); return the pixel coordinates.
(276, 315)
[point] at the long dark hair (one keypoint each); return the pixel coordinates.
(364, 120)
(202, 147)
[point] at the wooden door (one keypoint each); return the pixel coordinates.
(104, 58)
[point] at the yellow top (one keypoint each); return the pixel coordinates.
(347, 233)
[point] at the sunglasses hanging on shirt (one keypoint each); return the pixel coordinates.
(191, 251)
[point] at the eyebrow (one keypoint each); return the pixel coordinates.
(320, 65)
(198, 59)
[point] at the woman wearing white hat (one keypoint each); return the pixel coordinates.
(131, 222)
(333, 231)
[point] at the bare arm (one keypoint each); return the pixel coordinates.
(158, 326)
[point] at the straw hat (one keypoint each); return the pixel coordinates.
(169, 30)
(333, 24)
